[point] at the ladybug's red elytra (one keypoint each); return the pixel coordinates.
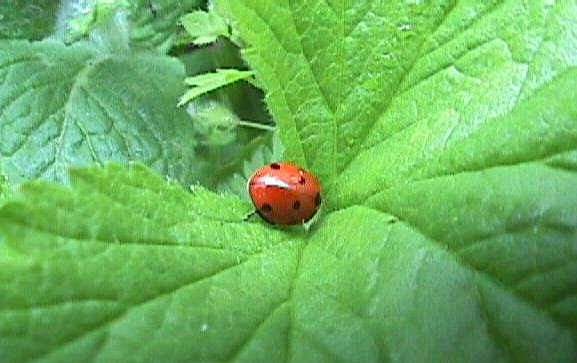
(284, 193)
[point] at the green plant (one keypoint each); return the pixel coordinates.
(445, 134)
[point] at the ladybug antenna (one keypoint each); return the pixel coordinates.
(256, 125)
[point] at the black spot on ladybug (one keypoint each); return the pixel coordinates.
(275, 166)
(302, 180)
(266, 208)
(296, 204)
(318, 199)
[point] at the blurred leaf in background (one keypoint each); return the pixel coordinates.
(267, 150)
(101, 12)
(238, 104)
(111, 96)
(27, 19)
(155, 23)
(150, 25)
(67, 106)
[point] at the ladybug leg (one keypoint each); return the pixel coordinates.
(306, 226)
(250, 215)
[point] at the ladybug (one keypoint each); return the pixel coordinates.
(285, 194)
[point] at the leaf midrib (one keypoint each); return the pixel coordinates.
(398, 91)
(79, 80)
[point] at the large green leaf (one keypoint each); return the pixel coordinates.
(446, 136)
(66, 106)
(356, 86)
(139, 24)
(119, 251)
(130, 259)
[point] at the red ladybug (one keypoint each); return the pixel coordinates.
(283, 193)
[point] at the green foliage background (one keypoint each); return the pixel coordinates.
(444, 132)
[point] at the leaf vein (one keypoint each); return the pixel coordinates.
(489, 278)
(106, 324)
(369, 128)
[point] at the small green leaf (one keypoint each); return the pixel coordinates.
(208, 82)
(154, 23)
(66, 106)
(204, 27)
(214, 123)
(101, 13)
